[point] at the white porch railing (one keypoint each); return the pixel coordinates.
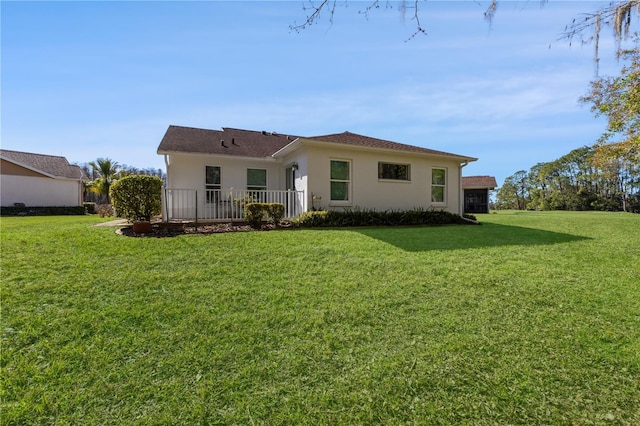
(224, 205)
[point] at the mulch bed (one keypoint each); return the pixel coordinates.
(160, 230)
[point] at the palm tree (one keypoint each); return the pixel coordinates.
(107, 171)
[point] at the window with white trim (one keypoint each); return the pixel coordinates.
(392, 171)
(438, 185)
(256, 179)
(213, 178)
(340, 177)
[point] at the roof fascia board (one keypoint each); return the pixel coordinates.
(289, 148)
(200, 154)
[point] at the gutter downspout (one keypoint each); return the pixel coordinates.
(461, 191)
(165, 214)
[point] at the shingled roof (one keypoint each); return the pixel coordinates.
(479, 182)
(244, 143)
(249, 143)
(349, 138)
(48, 164)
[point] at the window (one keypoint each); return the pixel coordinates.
(394, 171)
(340, 180)
(256, 179)
(438, 185)
(212, 182)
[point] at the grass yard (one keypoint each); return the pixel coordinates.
(532, 318)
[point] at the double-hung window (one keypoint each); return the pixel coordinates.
(392, 171)
(257, 181)
(438, 185)
(340, 178)
(212, 183)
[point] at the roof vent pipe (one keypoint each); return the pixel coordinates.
(233, 141)
(222, 143)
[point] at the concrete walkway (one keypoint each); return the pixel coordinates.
(117, 222)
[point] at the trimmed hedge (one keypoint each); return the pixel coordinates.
(137, 197)
(359, 217)
(43, 211)
(254, 213)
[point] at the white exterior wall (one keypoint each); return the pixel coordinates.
(313, 177)
(367, 191)
(188, 171)
(39, 191)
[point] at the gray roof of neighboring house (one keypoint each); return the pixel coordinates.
(249, 143)
(479, 182)
(49, 164)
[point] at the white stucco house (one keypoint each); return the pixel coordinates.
(208, 171)
(39, 180)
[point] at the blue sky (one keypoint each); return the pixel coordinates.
(105, 79)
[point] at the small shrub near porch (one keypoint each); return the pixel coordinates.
(255, 213)
(137, 197)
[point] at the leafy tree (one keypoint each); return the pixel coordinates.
(105, 172)
(617, 152)
(137, 197)
(514, 192)
(618, 99)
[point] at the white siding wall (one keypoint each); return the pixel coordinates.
(367, 191)
(312, 177)
(39, 191)
(188, 172)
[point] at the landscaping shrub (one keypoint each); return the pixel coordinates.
(255, 213)
(105, 210)
(137, 197)
(90, 207)
(275, 212)
(363, 217)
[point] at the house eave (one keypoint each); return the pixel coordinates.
(308, 142)
(206, 154)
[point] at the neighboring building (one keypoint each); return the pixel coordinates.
(476, 193)
(39, 180)
(208, 171)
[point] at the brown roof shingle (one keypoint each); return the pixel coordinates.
(249, 143)
(479, 182)
(349, 138)
(49, 164)
(245, 143)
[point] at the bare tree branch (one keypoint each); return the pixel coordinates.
(315, 14)
(587, 27)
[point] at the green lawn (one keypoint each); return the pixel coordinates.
(532, 318)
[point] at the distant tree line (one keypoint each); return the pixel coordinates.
(605, 176)
(103, 172)
(599, 177)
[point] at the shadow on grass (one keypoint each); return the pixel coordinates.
(466, 237)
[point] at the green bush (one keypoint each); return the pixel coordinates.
(90, 207)
(275, 212)
(255, 213)
(363, 217)
(137, 197)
